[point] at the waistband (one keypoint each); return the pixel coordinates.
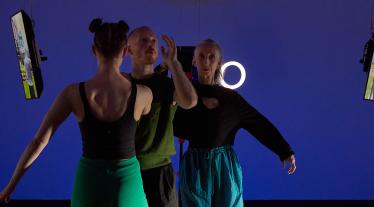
(219, 149)
(109, 163)
(205, 154)
(210, 152)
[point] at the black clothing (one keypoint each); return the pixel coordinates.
(161, 86)
(210, 128)
(159, 186)
(108, 140)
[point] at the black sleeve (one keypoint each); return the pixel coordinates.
(262, 129)
(181, 123)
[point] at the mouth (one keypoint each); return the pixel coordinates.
(151, 51)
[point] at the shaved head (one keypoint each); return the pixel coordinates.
(137, 31)
(143, 46)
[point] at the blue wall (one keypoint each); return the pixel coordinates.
(301, 58)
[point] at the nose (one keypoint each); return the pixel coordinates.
(206, 61)
(151, 43)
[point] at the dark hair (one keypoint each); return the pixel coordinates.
(217, 74)
(109, 38)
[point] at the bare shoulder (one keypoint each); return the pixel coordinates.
(70, 90)
(70, 94)
(71, 87)
(143, 88)
(144, 92)
(126, 75)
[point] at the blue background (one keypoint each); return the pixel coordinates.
(302, 61)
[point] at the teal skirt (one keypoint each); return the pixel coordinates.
(102, 183)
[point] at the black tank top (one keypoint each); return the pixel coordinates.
(106, 140)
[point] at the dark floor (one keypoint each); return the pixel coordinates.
(251, 203)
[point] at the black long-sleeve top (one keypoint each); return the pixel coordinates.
(210, 128)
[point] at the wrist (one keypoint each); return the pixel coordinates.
(9, 188)
(173, 64)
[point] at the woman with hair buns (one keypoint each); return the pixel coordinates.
(107, 107)
(209, 172)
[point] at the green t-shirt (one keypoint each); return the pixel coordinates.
(154, 140)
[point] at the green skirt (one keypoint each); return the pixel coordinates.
(103, 183)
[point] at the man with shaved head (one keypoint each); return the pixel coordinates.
(154, 136)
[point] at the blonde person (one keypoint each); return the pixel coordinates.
(210, 173)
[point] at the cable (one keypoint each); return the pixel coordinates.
(31, 17)
(199, 20)
(371, 17)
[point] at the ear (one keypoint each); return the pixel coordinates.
(128, 48)
(194, 62)
(93, 50)
(124, 51)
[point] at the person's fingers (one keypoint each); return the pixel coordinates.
(171, 52)
(173, 48)
(173, 42)
(292, 161)
(4, 198)
(168, 41)
(292, 169)
(163, 51)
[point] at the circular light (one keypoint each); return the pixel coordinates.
(242, 74)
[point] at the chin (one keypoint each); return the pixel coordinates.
(204, 76)
(148, 61)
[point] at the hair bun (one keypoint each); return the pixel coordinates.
(123, 25)
(95, 25)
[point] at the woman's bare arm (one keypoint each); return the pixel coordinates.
(57, 113)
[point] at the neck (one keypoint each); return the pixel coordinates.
(140, 71)
(206, 80)
(109, 68)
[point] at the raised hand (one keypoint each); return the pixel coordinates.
(169, 55)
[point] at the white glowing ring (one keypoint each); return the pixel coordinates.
(242, 74)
